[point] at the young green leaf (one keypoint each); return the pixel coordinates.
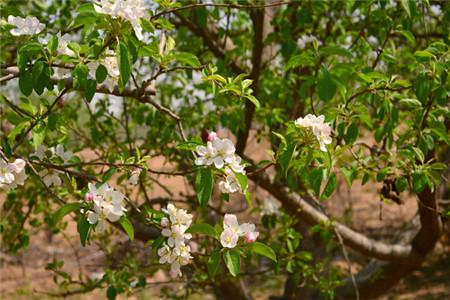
(65, 210)
(83, 227)
(203, 186)
(213, 264)
(127, 226)
(124, 64)
(232, 260)
(330, 187)
(203, 228)
(264, 250)
(101, 73)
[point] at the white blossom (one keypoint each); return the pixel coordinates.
(304, 40)
(220, 152)
(270, 206)
(230, 184)
(229, 238)
(12, 174)
(175, 252)
(134, 178)
(25, 26)
(232, 231)
(60, 152)
(165, 254)
(40, 152)
(131, 10)
(50, 177)
(63, 45)
(108, 205)
(320, 129)
(435, 10)
(373, 41)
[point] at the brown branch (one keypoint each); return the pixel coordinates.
(230, 5)
(300, 207)
(261, 20)
(143, 97)
(211, 38)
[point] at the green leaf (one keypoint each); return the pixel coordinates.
(253, 100)
(83, 227)
(334, 50)
(127, 226)
(38, 135)
(409, 36)
(248, 198)
(264, 250)
(203, 186)
(242, 179)
(213, 264)
(316, 180)
(90, 87)
(26, 83)
(108, 174)
(330, 187)
(187, 58)
(124, 64)
(326, 88)
(304, 255)
(419, 154)
(410, 7)
(203, 228)
(423, 54)
(352, 134)
(401, 183)
(349, 176)
(232, 260)
(80, 75)
(111, 293)
(419, 181)
(101, 73)
(285, 158)
(411, 102)
(65, 210)
(303, 59)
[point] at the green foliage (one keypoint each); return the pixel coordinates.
(204, 185)
(376, 71)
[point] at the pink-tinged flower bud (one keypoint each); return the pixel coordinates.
(164, 222)
(251, 236)
(89, 196)
(212, 136)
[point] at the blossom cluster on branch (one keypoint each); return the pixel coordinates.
(12, 174)
(176, 252)
(221, 153)
(108, 204)
(316, 125)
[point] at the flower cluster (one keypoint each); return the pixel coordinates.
(12, 174)
(320, 129)
(25, 26)
(131, 10)
(108, 204)
(221, 153)
(270, 206)
(51, 176)
(232, 231)
(175, 252)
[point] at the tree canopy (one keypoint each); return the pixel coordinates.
(214, 135)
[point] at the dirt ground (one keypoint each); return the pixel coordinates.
(24, 276)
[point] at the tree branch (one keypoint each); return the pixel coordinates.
(262, 25)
